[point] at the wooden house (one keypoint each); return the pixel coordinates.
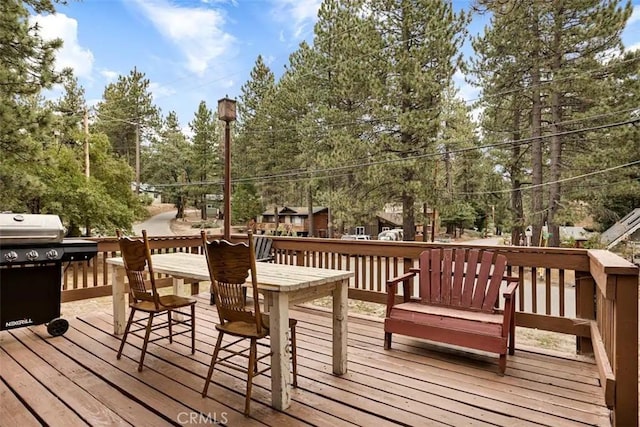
(294, 220)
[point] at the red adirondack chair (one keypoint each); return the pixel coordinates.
(456, 303)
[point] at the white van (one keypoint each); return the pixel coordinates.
(355, 237)
(394, 235)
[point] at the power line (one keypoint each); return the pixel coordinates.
(544, 184)
(398, 160)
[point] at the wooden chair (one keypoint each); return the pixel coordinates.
(262, 247)
(144, 297)
(456, 302)
(229, 268)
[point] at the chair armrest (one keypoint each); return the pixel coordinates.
(511, 289)
(392, 285)
(509, 307)
(393, 282)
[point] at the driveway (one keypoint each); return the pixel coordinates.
(489, 241)
(158, 225)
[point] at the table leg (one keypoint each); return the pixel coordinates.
(340, 322)
(178, 286)
(117, 289)
(279, 332)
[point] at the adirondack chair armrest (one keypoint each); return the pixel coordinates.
(508, 324)
(392, 285)
(403, 277)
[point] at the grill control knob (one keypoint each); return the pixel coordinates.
(10, 256)
(52, 254)
(32, 255)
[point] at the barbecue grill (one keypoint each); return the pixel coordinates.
(32, 252)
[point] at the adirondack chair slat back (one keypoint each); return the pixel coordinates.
(461, 278)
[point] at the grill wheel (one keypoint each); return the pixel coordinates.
(57, 327)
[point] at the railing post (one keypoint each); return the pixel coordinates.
(625, 364)
(585, 307)
(617, 282)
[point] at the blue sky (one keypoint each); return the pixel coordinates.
(193, 50)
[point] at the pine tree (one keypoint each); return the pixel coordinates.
(127, 116)
(205, 157)
(26, 68)
(168, 165)
(422, 38)
(542, 56)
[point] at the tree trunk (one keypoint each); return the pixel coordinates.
(518, 236)
(408, 220)
(180, 207)
(277, 219)
(203, 207)
(537, 215)
(310, 207)
(425, 223)
(556, 140)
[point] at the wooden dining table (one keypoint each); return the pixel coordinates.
(281, 285)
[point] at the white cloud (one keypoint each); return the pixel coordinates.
(302, 14)
(466, 91)
(633, 47)
(160, 91)
(71, 54)
(197, 32)
(635, 15)
(109, 75)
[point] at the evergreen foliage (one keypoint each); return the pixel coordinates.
(365, 116)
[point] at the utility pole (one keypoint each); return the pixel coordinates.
(86, 143)
(85, 119)
(137, 156)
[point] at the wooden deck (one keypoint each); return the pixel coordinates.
(76, 380)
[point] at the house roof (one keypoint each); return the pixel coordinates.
(391, 217)
(295, 210)
(622, 229)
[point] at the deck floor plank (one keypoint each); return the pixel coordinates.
(12, 411)
(312, 412)
(66, 384)
(36, 396)
(159, 391)
(78, 379)
(470, 363)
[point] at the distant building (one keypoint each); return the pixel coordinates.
(294, 220)
(148, 190)
(381, 222)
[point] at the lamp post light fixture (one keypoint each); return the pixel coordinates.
(227, 113)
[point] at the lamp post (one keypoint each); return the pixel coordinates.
(227, 113)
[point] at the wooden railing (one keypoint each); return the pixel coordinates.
(591, 294)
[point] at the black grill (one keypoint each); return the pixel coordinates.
(31, 262)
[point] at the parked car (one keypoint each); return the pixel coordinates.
(394, 235)
(355, 237)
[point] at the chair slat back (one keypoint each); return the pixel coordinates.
(136, 255)
(463, 278)
(230, 265)
(263, 248)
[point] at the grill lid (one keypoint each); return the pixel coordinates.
(30, 229)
